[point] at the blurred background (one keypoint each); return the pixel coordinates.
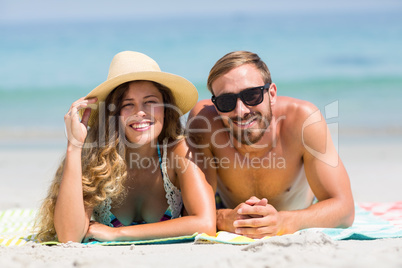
(343, 52)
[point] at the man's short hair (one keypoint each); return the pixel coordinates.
(236, 59)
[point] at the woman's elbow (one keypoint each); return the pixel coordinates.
(69, 235)
(207, 225)
(65, 238)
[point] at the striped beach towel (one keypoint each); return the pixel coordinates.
(391, 212)
(16, 229)
(372, 221)
(16, 226)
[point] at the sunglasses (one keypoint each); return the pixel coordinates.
(251, 97)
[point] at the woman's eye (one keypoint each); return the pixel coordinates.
(127, 105)
(151, 102)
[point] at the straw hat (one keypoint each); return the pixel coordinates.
(130, 66)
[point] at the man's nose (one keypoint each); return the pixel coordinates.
(241, 109)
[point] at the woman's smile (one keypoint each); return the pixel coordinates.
(141, 126)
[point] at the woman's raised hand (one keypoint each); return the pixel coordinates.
(76, 129)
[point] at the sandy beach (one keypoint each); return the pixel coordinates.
(307, 250)
(341, 55)
(27, 165)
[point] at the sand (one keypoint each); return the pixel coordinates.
(373, 164)
(304, 250)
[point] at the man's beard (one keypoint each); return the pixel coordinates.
(253, 135)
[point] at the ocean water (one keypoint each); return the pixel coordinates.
(353, 59)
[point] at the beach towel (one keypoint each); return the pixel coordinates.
(16, 229)
(168, 240)
(391, 212)
(16, 226)
(372, 221)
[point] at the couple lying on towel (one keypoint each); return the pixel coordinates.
(131, 172)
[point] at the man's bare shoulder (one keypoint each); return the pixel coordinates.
(303, 125)
(292, 115)
(204, 108)
(295, 110)
(203, 121)
(203, 115)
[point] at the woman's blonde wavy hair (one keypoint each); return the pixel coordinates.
(104, 169)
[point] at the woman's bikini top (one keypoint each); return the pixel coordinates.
(102, 212)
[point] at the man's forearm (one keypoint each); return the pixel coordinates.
(328, 213)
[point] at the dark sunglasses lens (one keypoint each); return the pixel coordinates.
(252, 96)
(226, 103)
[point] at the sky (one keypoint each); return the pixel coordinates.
(20, 11)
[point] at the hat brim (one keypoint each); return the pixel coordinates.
(183, 91)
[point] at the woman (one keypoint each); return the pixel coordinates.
(126, 164)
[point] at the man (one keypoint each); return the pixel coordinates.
(270, 159)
